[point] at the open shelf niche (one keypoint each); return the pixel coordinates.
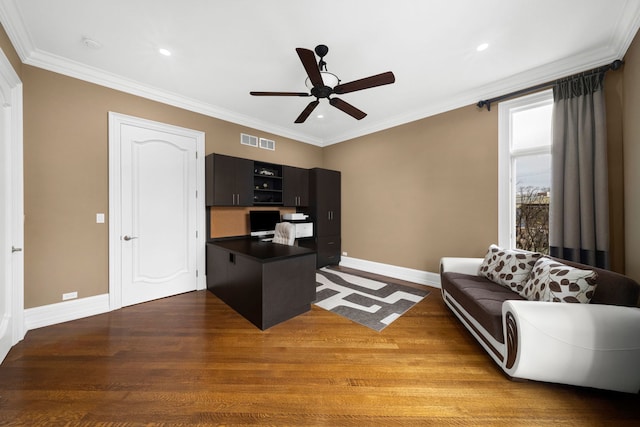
(267, 184)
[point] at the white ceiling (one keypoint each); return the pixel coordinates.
(223, 49)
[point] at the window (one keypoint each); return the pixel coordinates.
(524, 175)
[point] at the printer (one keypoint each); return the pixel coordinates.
(302, 229)
(295, 216)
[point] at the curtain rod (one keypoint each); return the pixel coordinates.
(615, 65)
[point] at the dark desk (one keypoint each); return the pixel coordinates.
(267, 283)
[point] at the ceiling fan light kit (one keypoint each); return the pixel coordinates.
(329, 79)
(323, 84)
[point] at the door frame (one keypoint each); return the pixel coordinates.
(12, 323)
(116, 121)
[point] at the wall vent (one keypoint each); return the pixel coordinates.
(267, 144)
(248, 140)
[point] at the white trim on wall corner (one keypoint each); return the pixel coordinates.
(410, 275)
(66, 311)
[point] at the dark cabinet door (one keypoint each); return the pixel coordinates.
(229, 181)
(324, 201)
(295, 186)
(303, 192)
(217, 273)
(244, 182)
(325, 185)
(224, 181)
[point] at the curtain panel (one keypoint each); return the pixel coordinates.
(579, 203)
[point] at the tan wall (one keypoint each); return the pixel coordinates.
(615, 156)
(66, 175)
(631, 132)
(411, 194)
(9, 51)
(418, 192)
(428, 189)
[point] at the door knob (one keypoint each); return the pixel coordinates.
(127, 238)
(14, 249)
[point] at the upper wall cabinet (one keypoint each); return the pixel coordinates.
(233, 181)
(295, 186)
(229, 181)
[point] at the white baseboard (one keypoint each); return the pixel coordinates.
(66, 311)
(402, 273)
(52, 314)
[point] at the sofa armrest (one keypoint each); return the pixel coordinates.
(592, 345)
(460, 265)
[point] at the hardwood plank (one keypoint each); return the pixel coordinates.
(192, 360)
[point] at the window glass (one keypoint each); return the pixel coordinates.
(531, 127)
(533, 188)
(525, 172)
(533, 171)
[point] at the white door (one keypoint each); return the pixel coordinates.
(11, 209)
(158, 235)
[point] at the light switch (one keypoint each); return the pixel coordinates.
(99, 218)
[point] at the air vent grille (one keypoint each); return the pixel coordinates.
(267, 144)
(248, 140)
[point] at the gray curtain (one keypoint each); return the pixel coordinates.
(579, 205)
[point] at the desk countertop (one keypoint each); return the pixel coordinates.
(261, 251)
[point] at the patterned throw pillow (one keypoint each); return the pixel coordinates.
(508, 267)
(553, 281)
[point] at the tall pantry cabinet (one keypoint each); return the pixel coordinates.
(324, 209)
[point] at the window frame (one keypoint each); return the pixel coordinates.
(507, 158)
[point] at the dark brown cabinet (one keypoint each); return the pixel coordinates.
(229, 181)
(267, 184)
(232, 181)
(324, 209)
(264, 282)
(296, 186)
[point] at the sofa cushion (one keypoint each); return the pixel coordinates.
(507, 267)
(613, 288)
(554, 281)
(481, 298)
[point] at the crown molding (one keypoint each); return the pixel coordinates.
(621, 37)
(625, 31)
(93, 75)
(535, 76)
(16, 30)
(548, 72)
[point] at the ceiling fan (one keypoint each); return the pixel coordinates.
(323, 84)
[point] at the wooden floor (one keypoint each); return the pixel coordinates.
(191, 360)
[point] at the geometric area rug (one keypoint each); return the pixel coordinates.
(365, 301)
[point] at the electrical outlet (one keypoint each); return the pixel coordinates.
(344, 253)
(69, 295)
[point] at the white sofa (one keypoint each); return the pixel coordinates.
(592, 345)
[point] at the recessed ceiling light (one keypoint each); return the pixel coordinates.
(482, 47)
(320, 116)
(90, 43)
(165, 52)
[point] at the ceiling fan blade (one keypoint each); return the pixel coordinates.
(347, 108)
(279, 94)
(307, 111)
(366, 83)
(308, 59)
